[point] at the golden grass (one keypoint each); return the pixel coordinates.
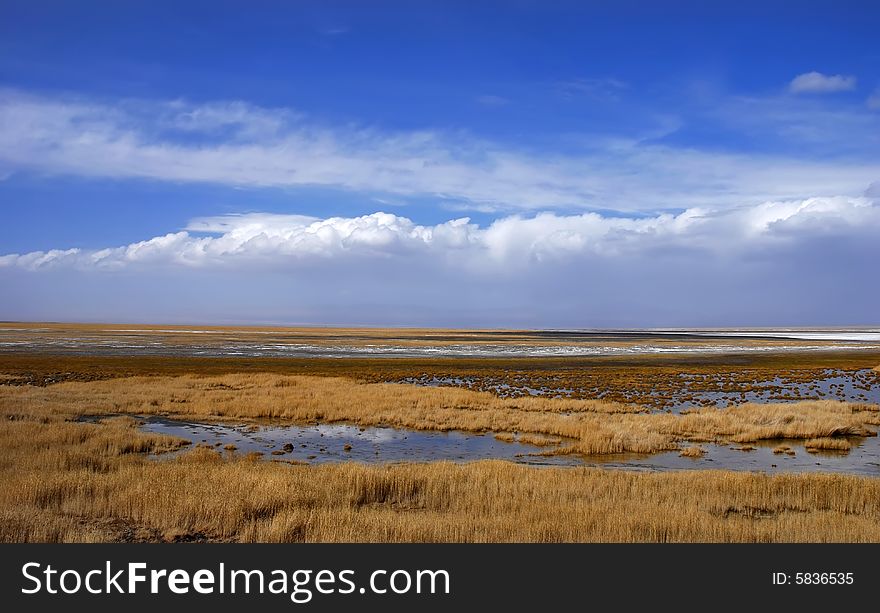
(588, 427)
(74, 482)
(529, 439)
(650, 380)
(827, 444)
(87, 446)
(539, 440)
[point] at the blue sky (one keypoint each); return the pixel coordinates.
(627, 163)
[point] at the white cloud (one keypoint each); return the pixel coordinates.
(818, 83)
(264, 241)
(803, 262)
(238, 144)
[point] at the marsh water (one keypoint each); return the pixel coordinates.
(847, 386)
(341, 442)
(696, 390)
(324, 443)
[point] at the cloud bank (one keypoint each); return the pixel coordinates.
(689, 237)
(259, 240)
(807, 262)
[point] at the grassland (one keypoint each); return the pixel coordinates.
(585, 426)
(65, 482)
(68, 480)
(653, 381)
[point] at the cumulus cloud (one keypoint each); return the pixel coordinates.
(818, 83)
(234, 143)
(260, 241)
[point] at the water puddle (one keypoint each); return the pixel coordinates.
(341, 443)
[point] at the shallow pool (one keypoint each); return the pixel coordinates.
(862, 459)
(341, 442)
(323, 443)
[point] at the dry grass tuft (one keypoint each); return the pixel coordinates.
(827, 444)
(538, 440)
(780, 449)
(693, 451)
